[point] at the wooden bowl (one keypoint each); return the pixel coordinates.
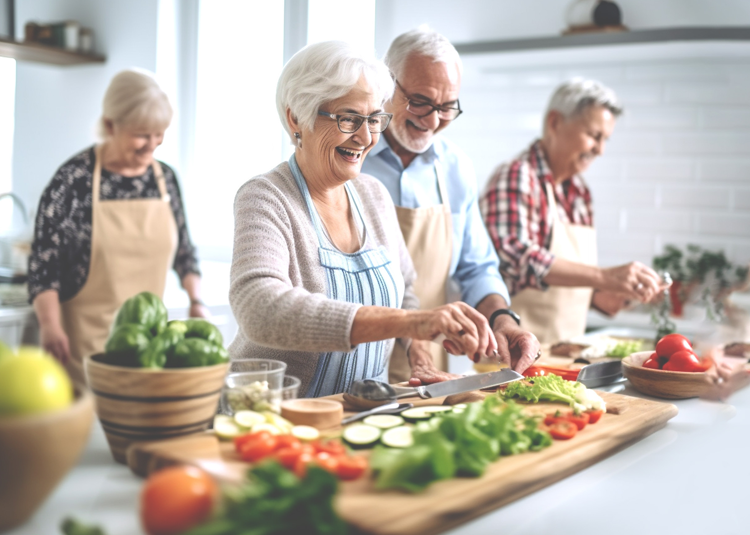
(662, 383)
(36, 451)
(141, 404)
(319, 413)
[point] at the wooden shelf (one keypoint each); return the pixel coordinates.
(46, 54)
(708, 33)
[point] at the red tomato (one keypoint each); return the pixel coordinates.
(579, 420)
(176, 499)
(287, 441)
(686, 361)
(652, 362)
(332, 446)
(243, 439)
(257, 449)
(327, 461)
(300, 467)
(672, 343)
(594, 416)
(351, 468)
(562, 430)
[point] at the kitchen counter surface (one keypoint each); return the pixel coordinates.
(690, 478)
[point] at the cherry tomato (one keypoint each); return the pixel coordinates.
(686, 361)
(652, 362)
(300, 467)
(327, 461)
(255, 450)
(176, 499)
(579, 420)
(538, 371)
(351, 468)
(595, 416)
(287, 441)
(562, 430)
(672, 343)
(243, 439)
(332, 446)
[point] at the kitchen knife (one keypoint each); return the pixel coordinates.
(462, 384)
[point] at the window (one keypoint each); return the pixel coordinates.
(7, 106)
(325, 22)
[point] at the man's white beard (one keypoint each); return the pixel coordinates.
(401, 134)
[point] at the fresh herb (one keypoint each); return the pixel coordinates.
(274, 501)
(625, 348)
(553, 388)
(72, 526)
(458, 444)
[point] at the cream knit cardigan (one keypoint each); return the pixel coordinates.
(277, 286)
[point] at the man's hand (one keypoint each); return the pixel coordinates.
(610, 303)
(423, 370)
(516, 347)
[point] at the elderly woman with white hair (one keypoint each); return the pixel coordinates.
(110, 224)
(321, 278)
(538, 211)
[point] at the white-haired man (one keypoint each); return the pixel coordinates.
(538, 211)
(433, 186)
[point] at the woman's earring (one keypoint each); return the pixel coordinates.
(299, 139)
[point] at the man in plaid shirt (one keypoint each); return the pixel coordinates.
(520, 215)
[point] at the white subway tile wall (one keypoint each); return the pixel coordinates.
(677, 168)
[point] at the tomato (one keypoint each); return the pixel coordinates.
(562, 430)
(538, 371)
(351, 468)
(176, 499)
(594, 416)
(287, 441)
(672, 343)
(300, 467)
(257, 449)
(687, 361)
(327, 461)
(332, 446)
(652, 362)
(243, 439)
(579, 420)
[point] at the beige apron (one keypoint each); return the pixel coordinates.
(560, 312)
(428, 233)
(133, 244)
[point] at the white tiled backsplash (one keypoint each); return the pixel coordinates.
(677, 168)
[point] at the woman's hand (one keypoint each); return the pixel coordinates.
(516, 347)
(55, 342)
(423, 370)
(466, 330)
(634, 281)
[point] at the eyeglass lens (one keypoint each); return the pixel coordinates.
(375, 123)
(422, 109)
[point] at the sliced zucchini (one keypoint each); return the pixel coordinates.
(423, 413)
(361, 435)
(460, 406)
(226, 429)
(397, 437)
(248, 419)
(305, 432)
(279, 421)
(384, 421)
(264, 426)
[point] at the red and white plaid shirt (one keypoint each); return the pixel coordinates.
(515, 209)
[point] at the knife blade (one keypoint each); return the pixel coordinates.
(468, 383)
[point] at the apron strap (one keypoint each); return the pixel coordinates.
(441, 184)
(161, 181)
(96, 177)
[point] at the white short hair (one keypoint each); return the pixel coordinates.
(323, 72)
(135, 99)
(575, 96)
(422, 41)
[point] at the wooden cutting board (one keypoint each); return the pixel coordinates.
(445, 504)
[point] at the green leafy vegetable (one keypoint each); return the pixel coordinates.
(554, 388)
(274, 501)
(625, 348)
(462, 444)
(71, 526)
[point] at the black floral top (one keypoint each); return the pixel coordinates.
(61, 252)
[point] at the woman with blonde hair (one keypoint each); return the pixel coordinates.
(110, 224)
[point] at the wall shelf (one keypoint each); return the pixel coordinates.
(46, 54)
(708, 33)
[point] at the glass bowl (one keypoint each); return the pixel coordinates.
(253, 384)
(290, 390)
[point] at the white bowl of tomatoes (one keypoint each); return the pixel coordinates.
(672, 371)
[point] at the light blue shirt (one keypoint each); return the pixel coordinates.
(474, 265)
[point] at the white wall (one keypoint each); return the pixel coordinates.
(57, 107)
(677, 169)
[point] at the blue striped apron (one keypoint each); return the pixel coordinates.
(367, 277)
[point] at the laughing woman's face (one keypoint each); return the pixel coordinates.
(135, 146)
(330, 155)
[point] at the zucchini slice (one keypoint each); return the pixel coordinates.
(436, 409)
(397, 437)
(361, 435)
(248, 419)
(383, 421)
(423, 413)
(305, 432)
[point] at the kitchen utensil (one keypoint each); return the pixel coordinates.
(370, 393)
(390, 408)
(315, 412)
(601, 373)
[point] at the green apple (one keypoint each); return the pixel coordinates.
(33, 382)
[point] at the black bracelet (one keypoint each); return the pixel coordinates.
(500, 312)
(197, 302)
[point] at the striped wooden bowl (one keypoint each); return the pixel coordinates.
(138, 404)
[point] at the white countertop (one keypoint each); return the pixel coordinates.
(691, 477)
